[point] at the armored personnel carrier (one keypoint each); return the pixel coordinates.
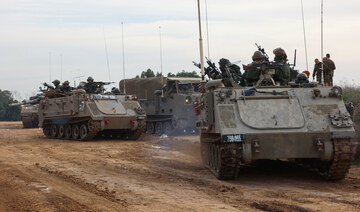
(302, 122)
(169, 102)
(29, 111)
(81, 116)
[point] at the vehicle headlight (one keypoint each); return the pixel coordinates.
(188, 100)
(336, 91)
(222, 95)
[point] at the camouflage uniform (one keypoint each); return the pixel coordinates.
(252, 74)
(65, 88)
(233, 69)
(90, 86)
(317, 71)
(56, 84)
(331, 68)
(282, 72)
(327, 72)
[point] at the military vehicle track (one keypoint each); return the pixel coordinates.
(223, 159)
(344, 152)
(134, 135)
(83, 131)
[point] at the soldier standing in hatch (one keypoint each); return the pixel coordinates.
(90, 86)
(331, 68)
(317, 70)
(56, 84)
(65, 87)
(282, 73)
(252, 74)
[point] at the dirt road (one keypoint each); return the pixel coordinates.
(153, 174)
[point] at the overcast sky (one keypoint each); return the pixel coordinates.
(36, 34)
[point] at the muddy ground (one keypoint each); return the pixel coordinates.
(152, 174)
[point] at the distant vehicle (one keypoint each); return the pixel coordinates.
(81, 116)
(29, 111)
(169, 102)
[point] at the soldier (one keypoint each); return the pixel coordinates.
(252, 74)
(282, 72)
(233, 68)
(56, 84)
(317, 70)
(115, 90)
(331, 68)
(65, 87)
(90, 86)
(327, 71)
(302, 77)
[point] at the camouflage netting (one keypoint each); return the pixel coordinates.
(144, 88)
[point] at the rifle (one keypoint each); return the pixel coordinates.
(262, 50)
(210, 69)
(196, 64)
(100, 83)
(48, 86)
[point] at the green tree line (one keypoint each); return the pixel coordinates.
(8, 113)
(150, 73)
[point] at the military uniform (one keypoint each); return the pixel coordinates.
(317, 71)
(331, 68)
(90, 86)
(252, 74)
(282, 71)
(56, 85)
(327, 72)
(65, 88)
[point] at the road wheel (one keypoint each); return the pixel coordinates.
(150, 127)
(158, 128)
(83, 131)
(75, 131)
(53, 131)
(167, 129)
(61, 131)
(68, 131)
(222, 159)
(46, 130)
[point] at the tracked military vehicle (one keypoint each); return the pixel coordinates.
(29, 111)
(302, 122)
(81, 116)
(169, 102)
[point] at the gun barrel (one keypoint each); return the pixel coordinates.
(15, 104)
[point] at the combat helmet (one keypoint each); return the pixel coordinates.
(223, 62)
(258, 55)
(90, 79)
(56, 82)
(66, 83)
(280, 54)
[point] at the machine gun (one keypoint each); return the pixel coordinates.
(262, 50)
(100, 83)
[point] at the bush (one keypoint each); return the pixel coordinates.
(352, 94)
(8, 113)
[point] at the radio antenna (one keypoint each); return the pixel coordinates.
(106, 52)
